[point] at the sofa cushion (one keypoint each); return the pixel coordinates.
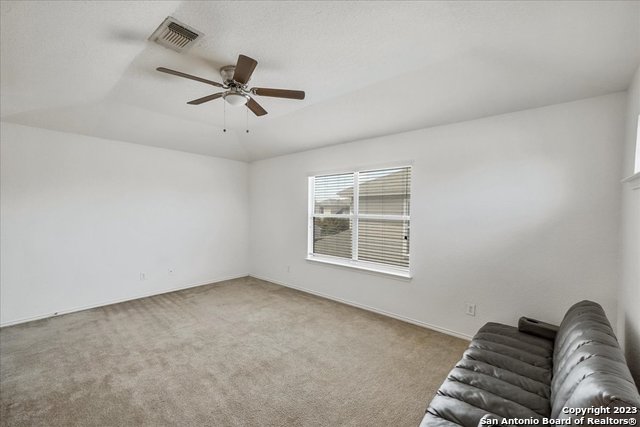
(503, 373)
(507, 348)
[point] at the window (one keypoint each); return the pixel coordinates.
(361, 219)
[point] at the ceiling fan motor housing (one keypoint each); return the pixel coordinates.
(227, 73)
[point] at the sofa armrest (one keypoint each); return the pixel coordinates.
(537, 328)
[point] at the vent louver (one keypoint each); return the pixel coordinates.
(175, 35)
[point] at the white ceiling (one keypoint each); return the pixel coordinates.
(368, 68)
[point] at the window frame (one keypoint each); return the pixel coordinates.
(355, 216)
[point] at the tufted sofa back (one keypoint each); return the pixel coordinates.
(589, 369)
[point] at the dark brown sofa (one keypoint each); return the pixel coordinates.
(539, 374)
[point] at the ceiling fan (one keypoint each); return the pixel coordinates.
(235, 79)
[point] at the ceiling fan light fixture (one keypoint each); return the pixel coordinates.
(235, 98)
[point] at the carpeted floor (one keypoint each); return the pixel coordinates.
(243, 352)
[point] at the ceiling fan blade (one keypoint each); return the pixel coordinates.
(189, 76)
(255, 107)
(206, 99)
(244, 69)
(278, 93)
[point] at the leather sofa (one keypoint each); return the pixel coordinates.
(540, 374)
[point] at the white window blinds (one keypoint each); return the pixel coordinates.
(362, 216)
(332, 215)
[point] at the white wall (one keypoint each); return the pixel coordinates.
(518, 213)
(82, 217)
(629, 295)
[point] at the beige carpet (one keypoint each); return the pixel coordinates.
(243, 352)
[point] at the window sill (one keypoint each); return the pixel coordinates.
(389, 271)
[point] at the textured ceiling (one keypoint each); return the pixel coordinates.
(368, 68)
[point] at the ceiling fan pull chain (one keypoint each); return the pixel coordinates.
(247, 116)
(224, 117)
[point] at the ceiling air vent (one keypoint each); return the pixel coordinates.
(175, 35)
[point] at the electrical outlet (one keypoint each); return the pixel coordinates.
(470, 309)
(143, 276)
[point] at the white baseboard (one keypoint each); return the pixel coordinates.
(116, 301)
(372, 309)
